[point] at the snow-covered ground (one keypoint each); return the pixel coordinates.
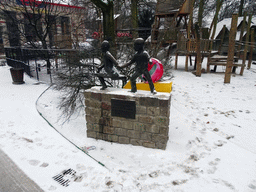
(211, 147)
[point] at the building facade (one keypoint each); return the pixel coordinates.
(25, 23)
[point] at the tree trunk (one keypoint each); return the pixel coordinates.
(231, 48)
(134, 10)
(200, 13)
(246, 43)
(215, 19)
(47, 56)
(240, 13)
(108, 19)
(108, 23)
(251, 48)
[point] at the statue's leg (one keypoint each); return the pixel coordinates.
(102, 81)
(150, 82)
(133, 81)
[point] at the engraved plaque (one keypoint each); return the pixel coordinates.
(122, 108)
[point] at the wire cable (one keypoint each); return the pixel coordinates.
(63, 135)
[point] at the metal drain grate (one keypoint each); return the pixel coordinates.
(65, 177)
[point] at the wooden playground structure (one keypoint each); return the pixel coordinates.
(173, 24)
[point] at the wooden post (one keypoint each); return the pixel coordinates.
(251, 50)
(246, 43)
(241, 36)
(198, 51)
(231, 48)
(212, 33)
(188, 32)
(187, 54)
(179, 46)
(222, 37)
(176, 61)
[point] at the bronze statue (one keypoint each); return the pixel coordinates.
(141, 58)
(108, 64)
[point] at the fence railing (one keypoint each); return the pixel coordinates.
(19, 64)
(34, 61)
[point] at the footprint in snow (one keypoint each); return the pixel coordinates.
(44, 165)
(33, 162)
(52, 188)
(252, 185)
(220, 143)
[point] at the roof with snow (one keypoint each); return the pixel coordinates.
(227, 22)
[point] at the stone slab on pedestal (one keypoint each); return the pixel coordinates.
(117, 115)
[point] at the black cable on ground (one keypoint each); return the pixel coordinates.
(62, 134)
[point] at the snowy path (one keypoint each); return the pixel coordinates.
(207, 150)
(211, 147)
(33, 145)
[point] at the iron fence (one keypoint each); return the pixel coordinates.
(34, 61)
(19, 64)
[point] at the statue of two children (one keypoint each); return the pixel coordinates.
(141, 59)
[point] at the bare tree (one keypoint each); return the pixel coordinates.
(33, 21)
(200, 12)
(107, 9)
(240, 12)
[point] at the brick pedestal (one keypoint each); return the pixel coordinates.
(149, 128)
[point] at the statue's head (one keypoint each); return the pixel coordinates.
(138, 44)
(105, 46)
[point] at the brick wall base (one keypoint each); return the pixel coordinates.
(149, 128)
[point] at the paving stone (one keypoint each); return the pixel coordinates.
(145, 119)
(93, 127)
(13, 178)
(154, 102)
(121, 132)
(124, 140)
(116, 123)
(128, 124)
(141, 109)
(159, 138)
(136, 142)
(91, 134)
(152, 128)
(106, 113)
(148, 129)
(113, 138)
(96, 96)
(133, 134)
(164, 130)
(164, 111)
(164, 103)
(99, 135)
(153, 111)
(109, 130)
(87, 94)
(149, 144)
(105, 137)
(146, 136)
(106, 97)
(161, 121)
(106, 105)
(160, 145)
(140, 126)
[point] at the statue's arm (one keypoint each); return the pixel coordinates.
(111, 57)
(149, 59)
(129, 63)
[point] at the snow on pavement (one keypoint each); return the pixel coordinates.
(33, 145)
(211, 147)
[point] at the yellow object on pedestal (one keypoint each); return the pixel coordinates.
(165, 86)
